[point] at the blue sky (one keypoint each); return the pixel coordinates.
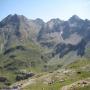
(46, 9)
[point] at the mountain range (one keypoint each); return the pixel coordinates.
(62, 36)
(36, 46)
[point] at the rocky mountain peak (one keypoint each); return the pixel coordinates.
(39, 21)
(57, 20)
(10, 19)
(19, 28)
(74, 18)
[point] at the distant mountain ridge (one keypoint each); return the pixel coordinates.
(17, 29)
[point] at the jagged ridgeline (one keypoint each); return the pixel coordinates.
(55, 38)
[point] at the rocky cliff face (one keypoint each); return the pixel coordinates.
(62, 36)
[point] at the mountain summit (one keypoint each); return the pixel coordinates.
(75, 17)
(17, 29)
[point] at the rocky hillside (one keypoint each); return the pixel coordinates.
(36, 46)
(72, 34)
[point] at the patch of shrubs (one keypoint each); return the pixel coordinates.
(3, 79)
(24, 76)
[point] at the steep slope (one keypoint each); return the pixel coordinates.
(35, 46)
(16, 30)
(73, 35)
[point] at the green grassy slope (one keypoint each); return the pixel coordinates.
(73, 72)
(28, 57)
